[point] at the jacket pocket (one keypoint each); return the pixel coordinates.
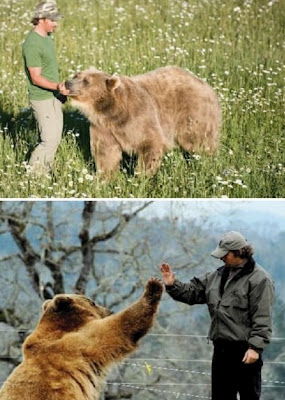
(237, 305)
(236, 300)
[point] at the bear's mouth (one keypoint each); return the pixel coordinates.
(69, 86)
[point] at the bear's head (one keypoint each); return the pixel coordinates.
(93, 88)
(70, 311)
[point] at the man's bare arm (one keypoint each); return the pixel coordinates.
(39, 80)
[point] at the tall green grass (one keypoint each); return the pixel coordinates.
(237, 46)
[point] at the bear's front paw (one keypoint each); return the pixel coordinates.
(154, 289)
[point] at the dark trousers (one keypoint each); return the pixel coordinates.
(231, 376)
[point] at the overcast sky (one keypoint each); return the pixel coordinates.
(222, 207)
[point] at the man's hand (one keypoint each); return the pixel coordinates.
(167, 274)
(62, 89)
(250, 357)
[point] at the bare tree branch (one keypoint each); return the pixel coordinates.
(29, 256)
(124, 297)
(125, 219)
(10, 360)
(87, 243)
(53, 266)
(86, 246)
(10, 257)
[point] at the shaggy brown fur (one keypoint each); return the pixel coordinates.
(67, 356)
(146, 114)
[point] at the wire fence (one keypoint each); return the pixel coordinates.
(174, 390)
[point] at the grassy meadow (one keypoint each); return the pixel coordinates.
(237, 46)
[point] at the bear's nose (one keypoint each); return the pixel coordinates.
(68, 85)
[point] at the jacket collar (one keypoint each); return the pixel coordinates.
(247, 269)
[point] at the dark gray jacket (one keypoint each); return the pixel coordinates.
(243, 312)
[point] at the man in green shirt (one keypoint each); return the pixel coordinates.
(46, 93)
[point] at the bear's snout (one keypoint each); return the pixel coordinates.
(72, 86)
(68, 85)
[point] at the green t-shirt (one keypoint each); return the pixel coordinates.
(39, 51)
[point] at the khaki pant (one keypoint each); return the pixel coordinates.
(49, 117)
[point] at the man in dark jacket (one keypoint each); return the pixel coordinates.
(239, 296)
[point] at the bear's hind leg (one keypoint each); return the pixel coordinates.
(199, 134)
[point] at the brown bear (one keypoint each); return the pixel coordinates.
(74, 343)
(146, 114)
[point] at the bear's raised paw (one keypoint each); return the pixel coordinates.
(154, 289)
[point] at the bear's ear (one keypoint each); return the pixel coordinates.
(62, 304)
(45, 304)
(113, 83)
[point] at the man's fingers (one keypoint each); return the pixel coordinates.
(62, 89)
(165, 267)
(250, 356)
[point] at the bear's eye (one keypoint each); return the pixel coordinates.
(85, 81)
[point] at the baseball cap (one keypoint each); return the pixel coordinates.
(47, 9)
(229, 241)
